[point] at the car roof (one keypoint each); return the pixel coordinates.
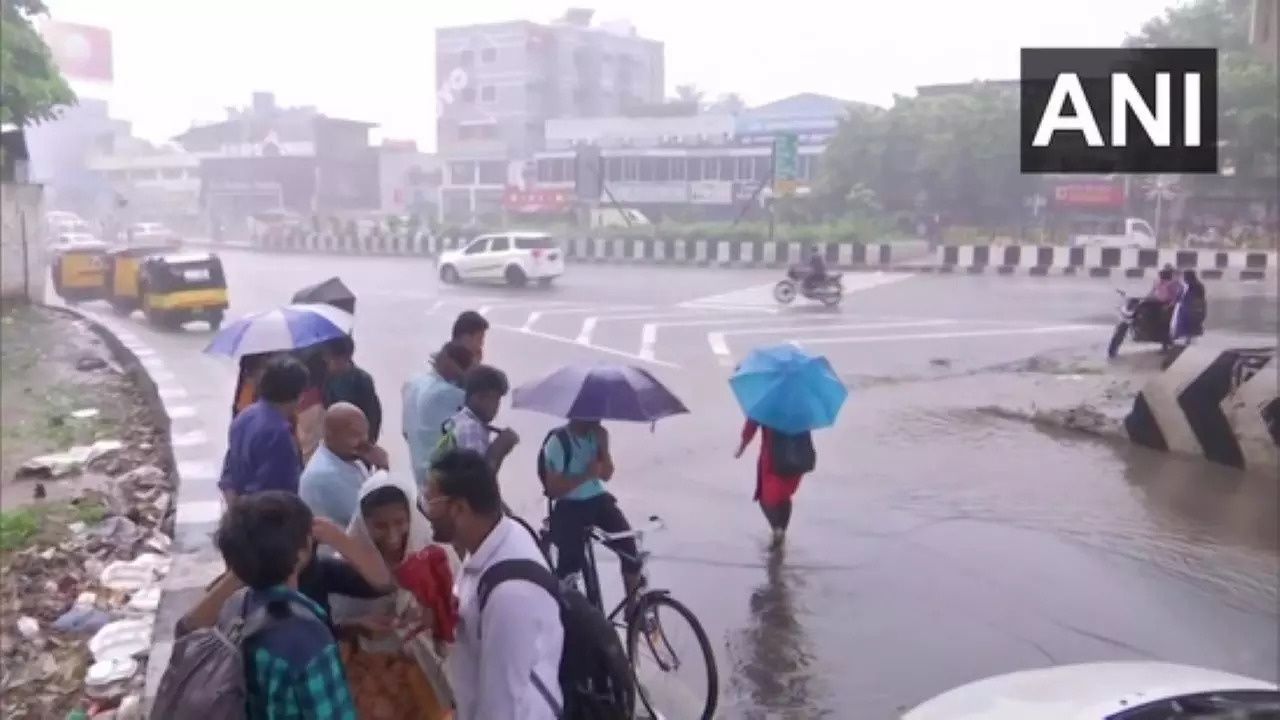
(517, 234)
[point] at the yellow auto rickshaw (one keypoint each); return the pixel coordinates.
(169, 288)
(79, 271)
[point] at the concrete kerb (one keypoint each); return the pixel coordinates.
(137, 372)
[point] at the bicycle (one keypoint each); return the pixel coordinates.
(637, 612)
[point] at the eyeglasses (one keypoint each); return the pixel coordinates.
(425, 504)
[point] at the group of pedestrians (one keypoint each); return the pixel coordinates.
(312, 539)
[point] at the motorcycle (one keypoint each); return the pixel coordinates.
(1142, 321)
(829, 292)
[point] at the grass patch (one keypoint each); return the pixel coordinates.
(24, 527)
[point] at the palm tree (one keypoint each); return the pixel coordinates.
(689, 94)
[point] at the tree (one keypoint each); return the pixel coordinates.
(689, 95)
(731, 103)
(31, 87)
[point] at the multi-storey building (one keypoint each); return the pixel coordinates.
(499, 83)
(698, 166)
(153, 185)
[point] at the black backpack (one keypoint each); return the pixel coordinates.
(596, 679)
(792, 454)
(562, 435)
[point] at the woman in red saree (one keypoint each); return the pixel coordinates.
(773, 491)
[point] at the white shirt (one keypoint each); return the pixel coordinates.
(520, 634)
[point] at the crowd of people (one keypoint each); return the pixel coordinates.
(318, 528)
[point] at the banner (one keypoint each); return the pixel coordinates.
(82, 52)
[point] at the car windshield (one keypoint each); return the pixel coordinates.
(541, 242)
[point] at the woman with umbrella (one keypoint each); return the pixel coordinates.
(785, 393)
(574, 462)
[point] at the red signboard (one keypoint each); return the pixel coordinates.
(1089, 195)
(536, 201)
(82, 52)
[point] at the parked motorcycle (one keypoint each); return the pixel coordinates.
(1142, 320)
(829, 292)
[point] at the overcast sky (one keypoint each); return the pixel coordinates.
(374, 60)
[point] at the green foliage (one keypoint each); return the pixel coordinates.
(31, 87)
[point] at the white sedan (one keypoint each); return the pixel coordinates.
(514, 258)
(1106, 691)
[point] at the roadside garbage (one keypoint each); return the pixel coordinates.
(122, 639)
(136, 574)
(69, 462)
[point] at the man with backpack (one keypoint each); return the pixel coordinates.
(528, 649)
(471, 427)
(273, 655)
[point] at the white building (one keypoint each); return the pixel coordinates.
(157, 185)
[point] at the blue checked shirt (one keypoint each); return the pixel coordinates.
(295, 671)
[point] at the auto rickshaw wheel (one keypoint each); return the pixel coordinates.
(122, 308)
(215, 320)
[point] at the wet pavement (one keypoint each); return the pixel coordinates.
(934, 545)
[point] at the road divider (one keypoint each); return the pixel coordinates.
(913, 256)
(1218, 404)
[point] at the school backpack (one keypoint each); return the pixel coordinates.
(207, 673)
(561, 434)
(448, 441)
(596, 679)
(792, 454)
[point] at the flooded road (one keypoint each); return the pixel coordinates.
(934, 545)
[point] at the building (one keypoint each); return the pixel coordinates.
(268, 158)
(498, 84)
(60, 149)
(150, 184)
(409, 180)
(695, 167)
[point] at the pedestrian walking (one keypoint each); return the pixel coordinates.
(469, 329)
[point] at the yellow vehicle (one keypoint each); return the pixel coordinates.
(169, 288)
(79, 270)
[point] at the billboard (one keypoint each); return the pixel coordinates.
(82, 52)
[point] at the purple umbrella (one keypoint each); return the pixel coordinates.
(599, 392)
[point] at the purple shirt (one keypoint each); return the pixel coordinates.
(261, 452)
(1167, 290)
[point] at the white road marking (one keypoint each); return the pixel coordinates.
(534, 317)
(729, 306)
(588, 327)
(198, 512)
(434, 307)
(718, 341)
(198, 469)
(191, 438)
(141, 351)
(597, 348)
(485, 309)
(162, 377)
(180, 412)
(171, 392)
(589, 324)
(805, 342)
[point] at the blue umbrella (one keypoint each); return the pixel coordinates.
(288, 328)
(787, 389)
(599, 392)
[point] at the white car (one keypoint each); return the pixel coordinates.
(514, 258)
(150, 233)
(1104, 691)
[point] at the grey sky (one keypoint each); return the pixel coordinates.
(374, 60)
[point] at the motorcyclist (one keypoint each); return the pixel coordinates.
(817, 270)
(1164, 294)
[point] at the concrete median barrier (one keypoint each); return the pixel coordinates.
(1095, 262)
(1218, 404)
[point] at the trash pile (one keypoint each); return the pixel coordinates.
(78, 611)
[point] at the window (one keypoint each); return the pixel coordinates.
(535, 243)
(488, 93)
(500, 244)
(613, 169)
(462, 173)
(726, 167)
(694, 168)
(662, 169)
(489, 56)
(493, 172)
(763, 168)
(677, 168)
(466, 58)
(646, 169)
(630, 169)
(745, 166)
(477, 247)
(468, 95)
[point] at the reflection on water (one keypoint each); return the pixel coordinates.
(774, 673)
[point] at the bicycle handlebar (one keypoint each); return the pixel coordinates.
(654, 524)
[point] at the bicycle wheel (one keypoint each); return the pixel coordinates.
(655, 624)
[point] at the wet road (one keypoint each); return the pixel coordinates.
(933, 546)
